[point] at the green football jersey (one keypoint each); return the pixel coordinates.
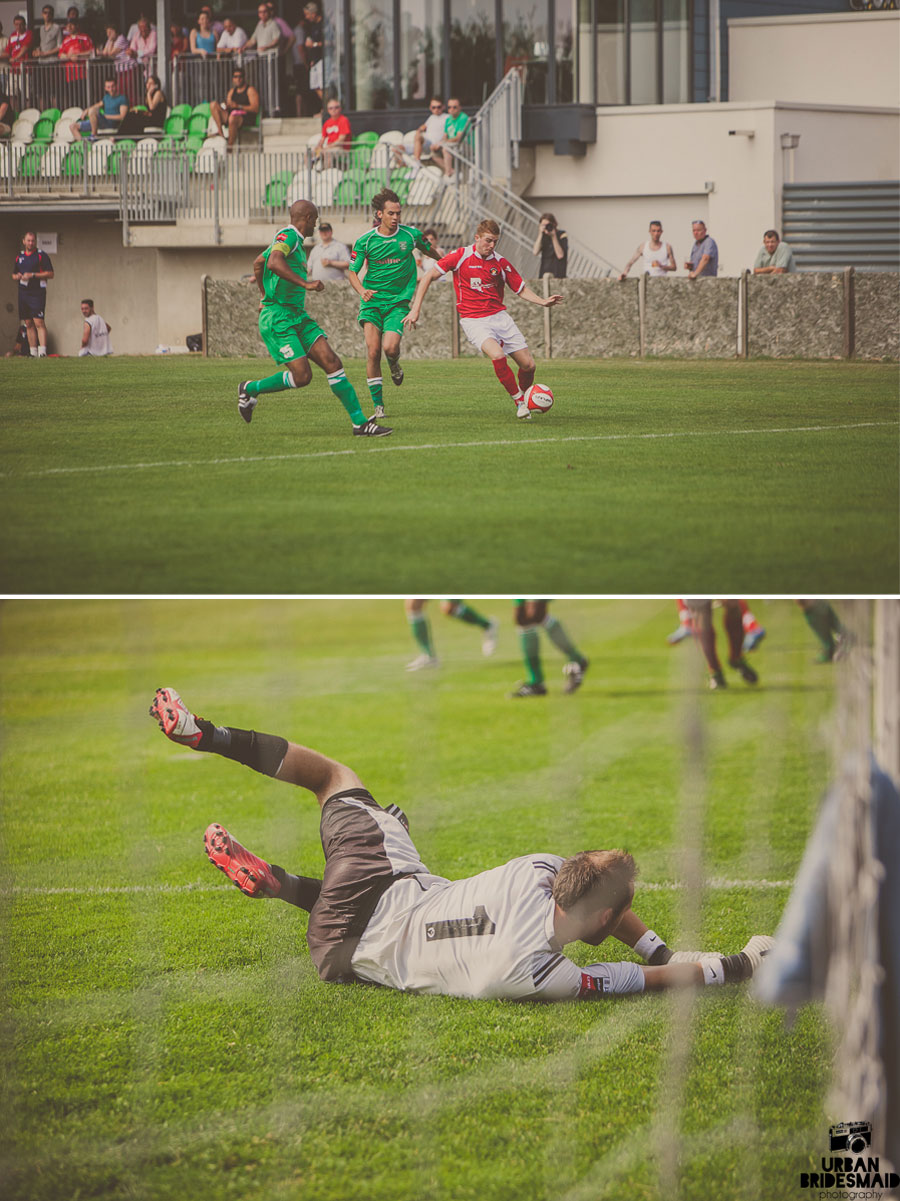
(283, 291)
(391, 270)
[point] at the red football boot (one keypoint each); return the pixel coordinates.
(247, 871)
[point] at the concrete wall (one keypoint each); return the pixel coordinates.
(798, 316)
(678, 162)
(821, 58)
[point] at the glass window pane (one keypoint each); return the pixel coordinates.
(421, 24)
(566, 17)
(372, 77)
(525, 44)
(473, 51)
(610, 51)
(676, 52)
(643, 52)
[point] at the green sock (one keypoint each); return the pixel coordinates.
(560, 638)
(375, 391)
(822, 620)
(279, 382)
(466, 613)
(422, 632)
(531, 654)
(346, 394)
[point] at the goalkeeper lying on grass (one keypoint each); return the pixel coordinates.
(379, 915)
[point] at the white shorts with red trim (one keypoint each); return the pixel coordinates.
(499, 326)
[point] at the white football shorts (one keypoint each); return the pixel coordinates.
(499, 326)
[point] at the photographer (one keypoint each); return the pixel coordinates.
(553, 247)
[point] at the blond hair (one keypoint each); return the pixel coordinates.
(605, 876)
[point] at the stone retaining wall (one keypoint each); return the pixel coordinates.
(787, 316)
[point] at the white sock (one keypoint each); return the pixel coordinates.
(33, 350)
(713, 972)
(42, 352)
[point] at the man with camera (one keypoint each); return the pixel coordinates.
(553, 247)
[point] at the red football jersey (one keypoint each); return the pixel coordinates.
(336, 131)
(479, 282)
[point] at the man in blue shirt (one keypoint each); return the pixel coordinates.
(704, 258)
(107, 113)
(32, 270)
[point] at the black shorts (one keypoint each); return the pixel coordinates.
(31, 306)
(366, 849)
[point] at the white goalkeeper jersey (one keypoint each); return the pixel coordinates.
(490, 935)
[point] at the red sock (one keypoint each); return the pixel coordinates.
(526, 379)
(504, 374)
(749, 621)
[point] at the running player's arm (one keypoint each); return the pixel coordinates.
(278, 266)
(357, 263)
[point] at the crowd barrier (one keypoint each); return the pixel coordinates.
(806, 316)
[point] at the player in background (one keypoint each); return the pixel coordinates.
(479, 276)
(530, 617)
(421, 629)
(290, 334)
(753, 631)
(379, 915)
(834, 637)
(385, 254)
(704, 632)
(32, 270)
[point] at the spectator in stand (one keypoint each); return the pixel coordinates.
(72, 14)
(20, 42)
(428, 135)
(218, 27)
(232, 41)
(49, 35)
(203, 40)
(430, 236)
(133, 28)
(5, 113)
(143, 45)
(242, 101)
(75, 50)
(95, 332)
(266, 36)
(775, 257)
(4, 42)
(156, 107)
(108, 113)
(178, 39)
(328, 259)
(552, 245)
(455, 127)
(308, 61)
(336, 135)
(704, 259)
(115, 47)
(657, 257)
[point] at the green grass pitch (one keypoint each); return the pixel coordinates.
(165, 1036)
(138, 476)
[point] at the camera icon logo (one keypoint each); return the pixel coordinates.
(851, 1136)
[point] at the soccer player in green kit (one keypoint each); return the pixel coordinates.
(290, 334)
(388, 287)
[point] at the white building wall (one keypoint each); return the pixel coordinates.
(679, 162)
(826, 58)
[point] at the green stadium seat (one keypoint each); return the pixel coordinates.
(201, 110)
(194, 142)
(277, 189)
(347, 192)
(51, 114)
(198, 124)
(366, 139)
(174, 125)
(73, 164)
(181, 110)
(120, 155)
(43, 130)
(401, 187)
(30, 166)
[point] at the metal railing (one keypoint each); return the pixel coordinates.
(72, 84)
(495, 131)
(196, 79)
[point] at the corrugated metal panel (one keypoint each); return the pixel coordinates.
(830, 226)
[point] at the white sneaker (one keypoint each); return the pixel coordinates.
(522, 410)
(489, 642)
(694, 956)
(757, 948)
(422, 662)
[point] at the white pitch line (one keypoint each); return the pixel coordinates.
(716, 884)
(382, 449)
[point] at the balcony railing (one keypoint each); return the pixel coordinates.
(195, 78)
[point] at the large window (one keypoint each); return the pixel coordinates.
(473, 50)
(611, 49)
(676, 52)
(420, 34)
(566, 19)
(644, 65)
(525, 44)
(372, 77)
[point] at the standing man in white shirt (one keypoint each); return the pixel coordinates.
(379, 915)
(232, 41)
(95, 333)
(328, 259)
(657, 257)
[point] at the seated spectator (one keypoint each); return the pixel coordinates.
(49, 36)
(179, 41)
(149, 115)
(95, 332)
(20, 41)
(115, 47)
(218, 27)
(203, 40)
(336, 135)
(328, 259)
(108, 113)
(455, 127)
(232, 41)
(143, 45)
(241, 102)
(266, 36)
(426, 137)
(5, 113)
(76, 48)
(775, 257)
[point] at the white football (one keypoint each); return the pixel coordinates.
(539, 398)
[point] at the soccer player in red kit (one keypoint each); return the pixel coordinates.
(479, 276)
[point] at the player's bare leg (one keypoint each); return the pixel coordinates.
(295, 374)
(524, 360)
(733, 620)
(235, 121)
(701, 621)
(391, 344)
(41, 330)
(31, 334)
(215, 111)
(374, 379)
(495, 352)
